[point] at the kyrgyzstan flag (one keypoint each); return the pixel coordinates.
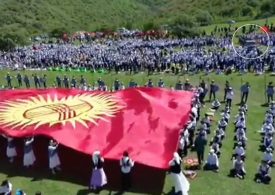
(144, 121)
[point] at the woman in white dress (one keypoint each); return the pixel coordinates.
(54, 161)
(29, 157)
(98, 179)
(180, 182)
(11, 149)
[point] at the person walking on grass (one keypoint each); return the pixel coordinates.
(245, 89)
(200, 143)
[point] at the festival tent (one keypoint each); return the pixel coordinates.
(144, 121)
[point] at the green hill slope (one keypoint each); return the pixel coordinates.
(36, 16)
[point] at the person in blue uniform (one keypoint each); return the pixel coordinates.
(213, 89)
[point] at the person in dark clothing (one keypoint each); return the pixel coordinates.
(150, 83)
(27, 81)
(161, 83)
(73, 82)
(226, 88)
(179, 86)
(270, 92)
(66, 82)
(44, 81)
(245, 91)
(19, 79)
(116, 85)
(213, 90)
(8, 79)
(132, 83)
(36, 81)
(82, 80)
(58, 81)
(187, 85)
(200, 143)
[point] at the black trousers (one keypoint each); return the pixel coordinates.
(19, 83)
(200, 155)
(228, 102)
(126, 181)
(269, 98)
(244, 97)
(212, 93)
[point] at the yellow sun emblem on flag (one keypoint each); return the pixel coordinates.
(83, 109)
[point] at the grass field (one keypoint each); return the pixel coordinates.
(260, 22)
(206, 183)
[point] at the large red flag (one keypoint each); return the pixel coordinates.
(144, 121)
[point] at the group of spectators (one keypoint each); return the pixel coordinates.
(207, 53)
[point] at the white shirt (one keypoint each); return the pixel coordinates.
(6, 189)
(230, 95)
(268, 156)
(240, 151)
(126, 168)
(212, 159)
(181, 143)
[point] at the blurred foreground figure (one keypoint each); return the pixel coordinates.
(181, 184)
(6, 188)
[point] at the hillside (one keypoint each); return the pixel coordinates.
(27, 17)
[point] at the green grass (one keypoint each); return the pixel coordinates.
(206, 183)
(260, 22)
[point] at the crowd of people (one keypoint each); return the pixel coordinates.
(195, 137)
(209, 53)
(188, 137)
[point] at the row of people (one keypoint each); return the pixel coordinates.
(212, 162)
(239, 154)
(97, 180)
(267, 131)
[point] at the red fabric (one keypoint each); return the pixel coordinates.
(147, 126)
(265, 29)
